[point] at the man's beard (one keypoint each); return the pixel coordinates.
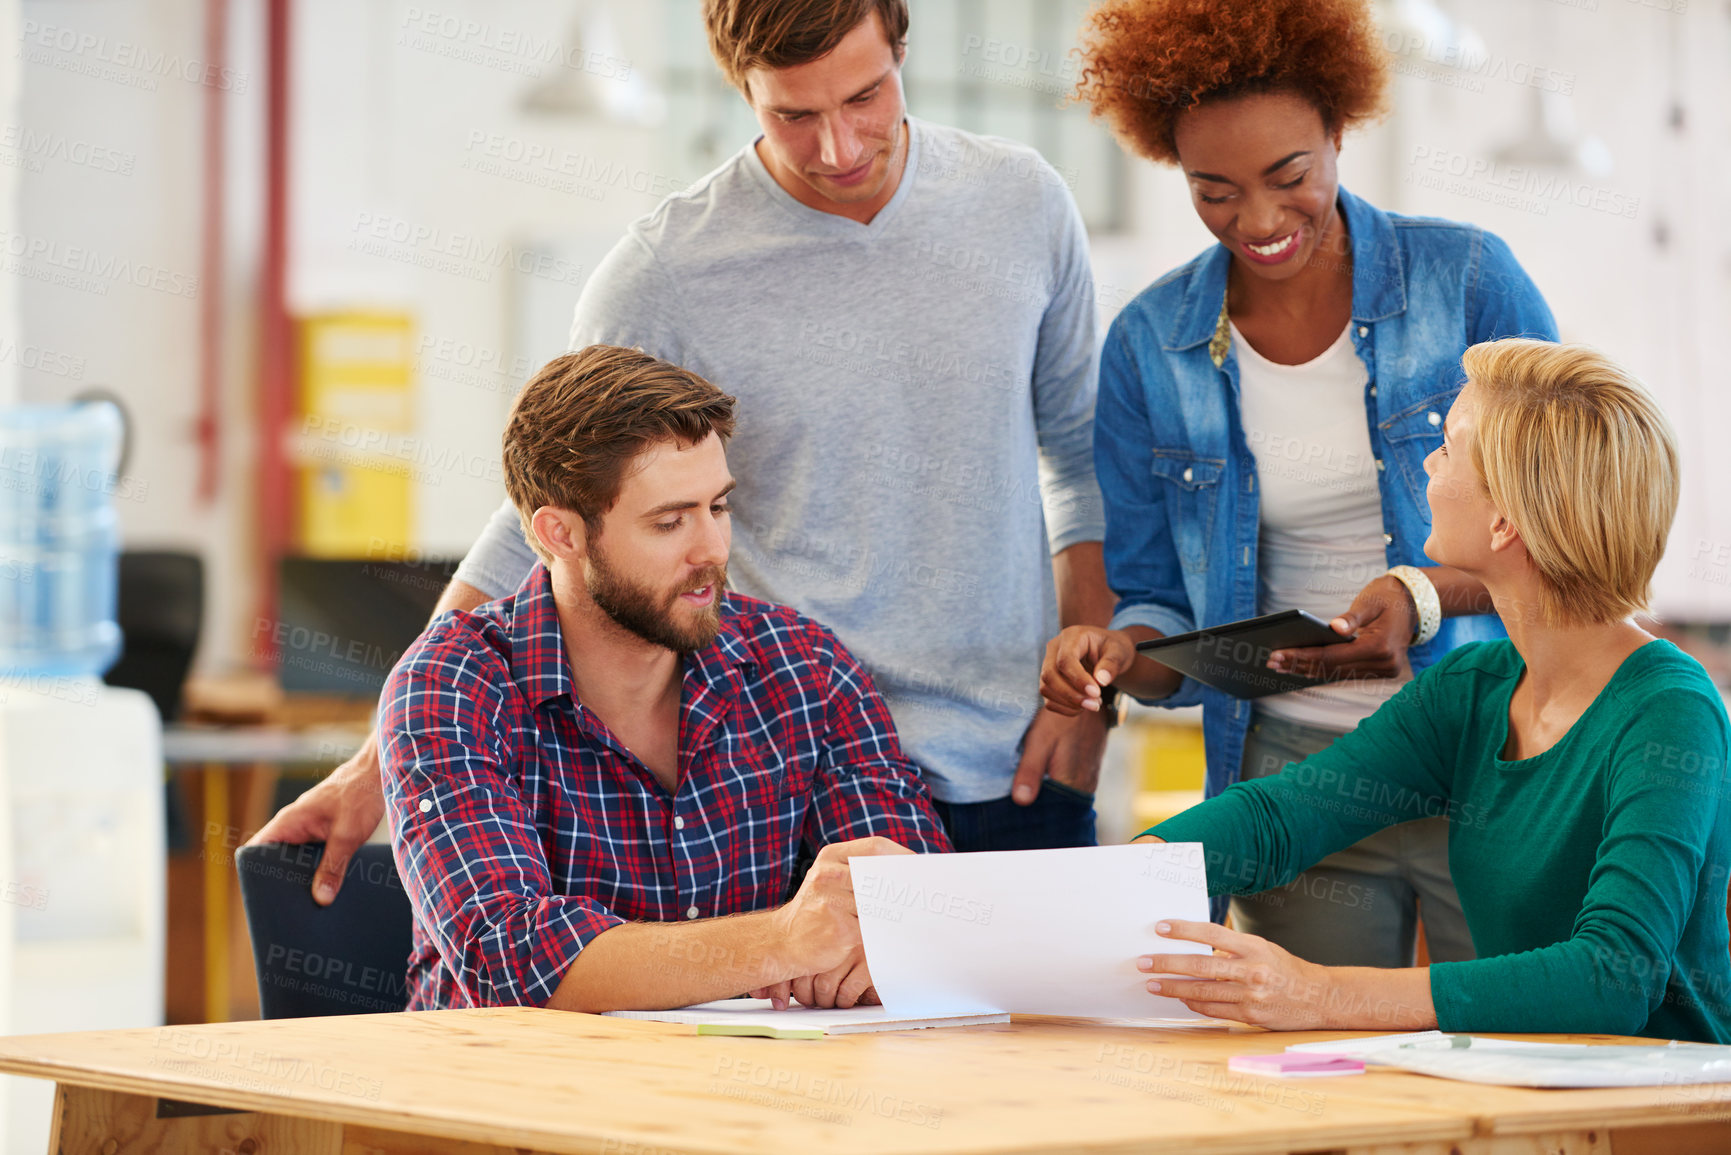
(649, 615)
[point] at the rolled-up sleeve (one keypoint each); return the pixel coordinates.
(1065, 379)
(864, 785)
(466, 844)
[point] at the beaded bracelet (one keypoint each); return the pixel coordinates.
(1424, 597)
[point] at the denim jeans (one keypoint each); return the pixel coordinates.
(1359, 906)
(1060, 816)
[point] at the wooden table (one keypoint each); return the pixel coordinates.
(485, 1082)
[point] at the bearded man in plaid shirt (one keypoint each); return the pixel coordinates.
(598, 787)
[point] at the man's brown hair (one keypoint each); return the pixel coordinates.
(747, 34)
(579, 422)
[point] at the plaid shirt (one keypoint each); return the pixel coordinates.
(523, 828)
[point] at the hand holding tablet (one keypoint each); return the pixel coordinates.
(1234, 657)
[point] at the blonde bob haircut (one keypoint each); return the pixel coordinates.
(1579, 457)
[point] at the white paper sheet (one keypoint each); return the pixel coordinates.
(832, 1021)
(1521, 1063)
(1363, 1045)
(1042, 932)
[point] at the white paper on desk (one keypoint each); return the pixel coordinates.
(1039, 932)
(1523, 1063)
(831, 1020)
(1359, 1046)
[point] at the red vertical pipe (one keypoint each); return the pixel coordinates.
(276, 335)
(209, 423)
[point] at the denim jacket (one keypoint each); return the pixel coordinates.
(1179, 481)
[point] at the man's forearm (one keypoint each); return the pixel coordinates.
(460, 595)
(1084, 598)
(657, 965)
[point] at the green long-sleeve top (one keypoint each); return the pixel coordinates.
(1592, 876)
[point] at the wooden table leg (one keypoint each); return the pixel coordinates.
(218, 865)
(92, 1122)
(1710, 1136)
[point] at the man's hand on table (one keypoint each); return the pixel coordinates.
(342, 812)
(820, 928)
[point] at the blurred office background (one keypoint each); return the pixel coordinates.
(451, 173)
(312, 247)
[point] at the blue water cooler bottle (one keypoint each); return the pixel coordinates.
(84, 860)
(59, 542)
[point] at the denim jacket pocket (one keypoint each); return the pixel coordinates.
(1192, 487)
(1413, 435)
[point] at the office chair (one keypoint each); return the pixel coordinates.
(348, 958)
(160, 607)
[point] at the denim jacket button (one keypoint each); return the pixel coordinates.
(1388, 539)
(1189, 475)
(1434, 418)
(1364, 330)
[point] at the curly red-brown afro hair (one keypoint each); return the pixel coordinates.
(1146, 61)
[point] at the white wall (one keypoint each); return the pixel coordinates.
(11, 91)
(109, 198)
(389, 106)
(1641, 267)
(411, 147)
(1652, 288)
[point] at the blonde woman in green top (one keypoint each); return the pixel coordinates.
(1582, 763)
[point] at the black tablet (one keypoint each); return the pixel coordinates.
(1234, 657)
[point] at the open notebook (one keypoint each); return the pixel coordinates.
(758, 1017)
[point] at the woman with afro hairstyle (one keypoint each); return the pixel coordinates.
(1264, 416)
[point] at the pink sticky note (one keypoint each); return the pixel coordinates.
(1294, 1065)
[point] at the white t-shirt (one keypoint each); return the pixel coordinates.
(1321, 538)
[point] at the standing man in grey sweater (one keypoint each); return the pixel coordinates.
(905, 312)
